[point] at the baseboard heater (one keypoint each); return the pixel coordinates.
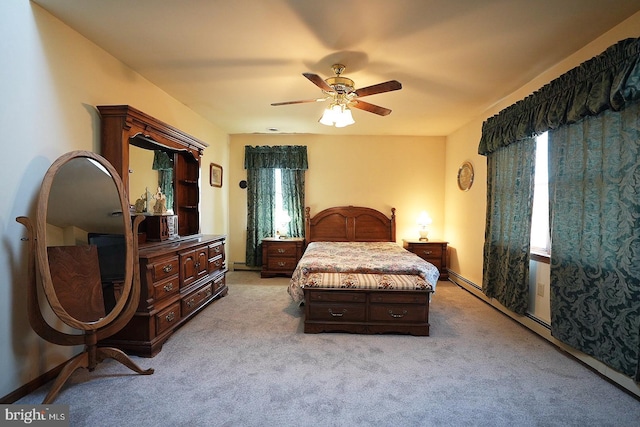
(241, 266)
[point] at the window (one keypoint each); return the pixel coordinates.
(282, 217)
(540, 238)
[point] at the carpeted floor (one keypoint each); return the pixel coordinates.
(244, 361)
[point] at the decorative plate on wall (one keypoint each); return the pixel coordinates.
(465, 176)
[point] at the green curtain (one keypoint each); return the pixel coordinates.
(510, 182)
(260, 211)
(164, 165)
(595, 258)
(293, 199)
(607, 81)
(260, 163)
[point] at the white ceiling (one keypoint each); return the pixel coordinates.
(228, 60)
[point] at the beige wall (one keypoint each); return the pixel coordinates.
(49, 92)
(380, 172)
(465, 211)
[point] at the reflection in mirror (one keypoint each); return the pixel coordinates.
(150, 169)
(85, 239)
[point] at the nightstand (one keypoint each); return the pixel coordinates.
(432, 251)
(280, 256)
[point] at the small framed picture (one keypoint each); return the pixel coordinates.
(215, 175)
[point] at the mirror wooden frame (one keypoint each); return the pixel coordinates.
(92, 331)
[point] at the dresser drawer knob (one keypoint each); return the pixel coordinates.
(397, 315)
(168, 287)
(427, 252)
(281, 251)
(344, 310)
(191, 302)
(170, 317)
(167, 268)
(281, 264)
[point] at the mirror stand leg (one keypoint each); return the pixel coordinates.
(120, 356)
(80, 361)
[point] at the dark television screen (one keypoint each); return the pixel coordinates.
(111, 255)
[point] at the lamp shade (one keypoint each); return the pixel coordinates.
(337, 115)
(424, 219)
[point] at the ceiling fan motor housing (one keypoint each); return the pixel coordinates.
(341, 85)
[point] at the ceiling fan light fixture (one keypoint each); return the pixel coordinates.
(345, 118)
(337, 115)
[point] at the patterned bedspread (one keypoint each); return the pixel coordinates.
(370, 265)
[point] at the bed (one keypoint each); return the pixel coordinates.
(354, 277)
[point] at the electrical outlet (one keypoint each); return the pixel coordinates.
(540, 289)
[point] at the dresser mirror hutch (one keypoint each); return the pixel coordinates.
(81, 251)
(181, 270)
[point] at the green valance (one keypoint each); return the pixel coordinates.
(607, 81)
(276, 157)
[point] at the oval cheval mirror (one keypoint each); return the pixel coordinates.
(83, 249)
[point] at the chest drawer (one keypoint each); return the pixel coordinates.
(167, 317)
(398, 313)
(196, 299)
(400, 298)
(337, 297)
(166, 287)
(337, 312)
(165, 268)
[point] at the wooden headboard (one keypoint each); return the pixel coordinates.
(350, 224)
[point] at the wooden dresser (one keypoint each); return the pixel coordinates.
(183, 270)
(280, 256)
(432, 251)
(177, 281)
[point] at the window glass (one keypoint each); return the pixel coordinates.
(540, 239)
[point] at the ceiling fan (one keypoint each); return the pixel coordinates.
(343, 95)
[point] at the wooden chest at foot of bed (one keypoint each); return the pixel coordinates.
(366, 311)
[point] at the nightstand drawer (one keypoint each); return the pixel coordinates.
(282, 249)
(281, 264)
(431, 251)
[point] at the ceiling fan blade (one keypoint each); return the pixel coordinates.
(389, 86)
(318, 81)
(302, 101)
(375, 109)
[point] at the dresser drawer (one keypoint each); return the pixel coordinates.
(400, 297)
(167, 317)
(216, 263)
(166, 287)
(216, 249)
(195, 299)
(165, 268)
(337, 312)
(219, 283)
(398, 313)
